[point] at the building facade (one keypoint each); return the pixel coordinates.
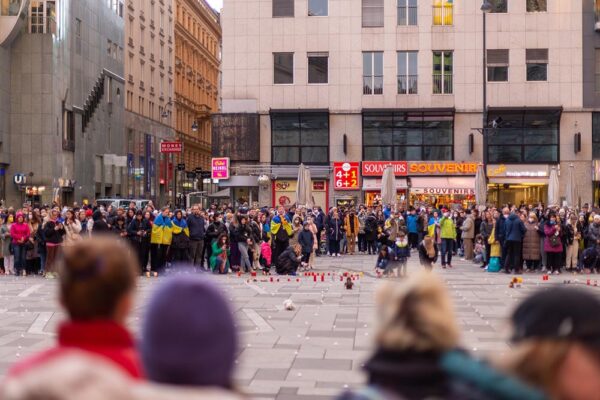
(197, 74)
(149, 29)
(380, 81)
(61, 90)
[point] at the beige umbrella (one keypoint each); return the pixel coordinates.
(310, 201)
(553, 190)
(388, 186)
(572, 195)
(301, 186)
(480, 186)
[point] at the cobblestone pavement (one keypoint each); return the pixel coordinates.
(313, 352)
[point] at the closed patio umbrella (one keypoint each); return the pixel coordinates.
(480, 186)
(310, 202)
(553, 191)
(388, 186)
(301, 186)
(572, 195)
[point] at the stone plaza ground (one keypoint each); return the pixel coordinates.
(313, 352)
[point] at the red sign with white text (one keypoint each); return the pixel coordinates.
(346, 175)
(171, 147)
(376, 168)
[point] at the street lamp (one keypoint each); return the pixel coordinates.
(194, 126)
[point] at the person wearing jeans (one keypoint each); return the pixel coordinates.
(448, 236)
(20, 233)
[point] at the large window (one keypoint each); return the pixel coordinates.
(411, 135)
(318, 66)
(318, 8)
(497, 65)
(537, 64)
(596, 135)
(524, 136)
(372, 13)
(499, 6)
(407, 72)
(443, 12)
(442, 72)
(283, 8)
(407, 12)
(373, 72)
(283, 68)
(536, 6)
(42, 16)
(300, 138)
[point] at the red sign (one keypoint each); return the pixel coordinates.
(375, 168)
(220, 168)
(346, 175)
(171, 147)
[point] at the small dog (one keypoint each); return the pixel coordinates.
(289, 305)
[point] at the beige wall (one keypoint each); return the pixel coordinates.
(251, 35)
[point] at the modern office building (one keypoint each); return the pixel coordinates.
(61, 100)
(149, 29)
(197, 73)
(401, 81)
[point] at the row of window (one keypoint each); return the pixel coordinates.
(373, 11)
(407, 69)
(522, 136)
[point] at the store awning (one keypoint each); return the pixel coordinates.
(221, 194)
(239, 181)
(375, 184)
(443, 186)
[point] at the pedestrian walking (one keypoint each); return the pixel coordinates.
(197, 227)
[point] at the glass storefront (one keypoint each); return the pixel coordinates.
(284, 192)
(518, 193)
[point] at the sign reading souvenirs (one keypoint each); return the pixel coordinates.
(375, 168)
(220, 168)
(346, 175)
(171, 147)
(443, 191)
(406, 168)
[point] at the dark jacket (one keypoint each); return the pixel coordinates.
(306, 240)
(320, 221)
(287, 262)
(215, 230)
(514, 229)
(335, 229)
(53, 235)
(197, 227)
(239, 234)
(100, 225)
(499, 234)
(371, 228)
(135, 226)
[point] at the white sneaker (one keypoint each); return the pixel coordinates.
(338, 255)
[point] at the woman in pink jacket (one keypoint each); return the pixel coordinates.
(20, 233)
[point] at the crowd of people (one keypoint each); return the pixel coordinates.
(222, 239)
(188, 344)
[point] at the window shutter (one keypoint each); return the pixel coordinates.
(537, 56)
(497, 58)
(283, 8)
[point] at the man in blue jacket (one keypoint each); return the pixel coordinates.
(514, 232)
(413, 230)
(197, 227)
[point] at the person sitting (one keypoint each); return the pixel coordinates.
(97, 284)
(219, 257)
(384, 257)
(289, 261)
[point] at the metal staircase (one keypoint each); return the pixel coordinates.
(92, 102)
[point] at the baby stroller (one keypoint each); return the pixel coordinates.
(589, 258)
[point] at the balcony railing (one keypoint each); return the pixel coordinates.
(442, 84)
(372, 85)
(407, 15)
(407, 84)
(443, 15)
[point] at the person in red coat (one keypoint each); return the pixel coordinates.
(97, 282)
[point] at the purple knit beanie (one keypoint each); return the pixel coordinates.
(188, 335)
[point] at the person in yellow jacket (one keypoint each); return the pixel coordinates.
(160, 240)
(351, 224)
(281, 231)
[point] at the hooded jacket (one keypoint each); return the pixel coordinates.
(19, 232)
(514, 229)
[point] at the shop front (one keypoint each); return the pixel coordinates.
(453, 192)
(243, 189)
(372, 191)
(284, 192)
(518, 184)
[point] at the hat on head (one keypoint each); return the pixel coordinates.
(560, 313)
(188, 335)
(89, 213)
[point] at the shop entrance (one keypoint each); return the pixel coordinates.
(522, 193)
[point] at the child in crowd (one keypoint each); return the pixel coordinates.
(383, 260)
(402, 254)
(265, 253)
(479, 251)
(428, 252)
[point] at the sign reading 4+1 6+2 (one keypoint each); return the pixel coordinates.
(346, 175)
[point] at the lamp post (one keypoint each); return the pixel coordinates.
(486, 7)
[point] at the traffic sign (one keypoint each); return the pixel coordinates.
(346, 175)
(180, 167)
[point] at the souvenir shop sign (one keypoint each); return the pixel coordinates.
(376, 168)
(346, 176)
(442, 168)
(437, 191)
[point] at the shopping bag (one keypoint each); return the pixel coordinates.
(494, 265)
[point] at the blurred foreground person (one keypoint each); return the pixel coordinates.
(75, 375)
(97, 281)
(557, 343)
(189, 342)
(416, 354)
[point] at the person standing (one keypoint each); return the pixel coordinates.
(72, 229)
(180, 242)
(468, 235)
(160, 240)
(335, 233)
(281, 230)
(54, 231)
(197, 227)
(447, 234)
(514, 231)
(139, 231)
(6, 251)
(20, 233)
(553, 246)
(351, 223)
(573, 238)
(531, 243)
(487, 224)
(320, 223)
(412, 225)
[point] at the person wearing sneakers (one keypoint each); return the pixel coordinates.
(19, 233)
(447, 235)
